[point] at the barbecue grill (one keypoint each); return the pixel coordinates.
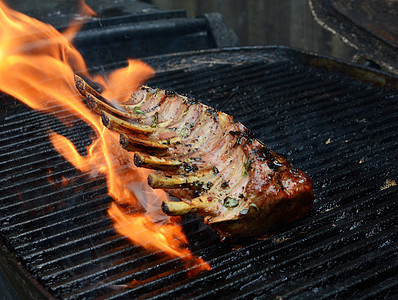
(335, 120)
(370, 27)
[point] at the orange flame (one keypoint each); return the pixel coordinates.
(74, 27)
(37, 66)
(120, 83)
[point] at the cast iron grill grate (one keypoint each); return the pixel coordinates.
(341, 131)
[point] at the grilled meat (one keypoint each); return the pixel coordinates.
(213, 164)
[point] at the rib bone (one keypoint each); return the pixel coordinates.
(197, 181)
(123, 126)
(96, 100)
(157, 163)
(180, 208)
(131, 143)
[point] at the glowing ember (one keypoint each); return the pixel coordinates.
(37, 66)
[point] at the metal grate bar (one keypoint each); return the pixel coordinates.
(260, 254)
(67, 241)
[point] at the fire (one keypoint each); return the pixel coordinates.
(37, 66)
(167, 237)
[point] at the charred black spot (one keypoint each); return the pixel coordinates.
(248, 134)
(279, 183)
(266, 154)
(165, 208)
(263, 153)
(189, 168)
(238, 142)
(212, 111)
(215, 170)
(196, 159)
(149, 89)
(150, 181)
(248, 141)
(272, 166)
(137, 160)
(266, 150)
(191, 100)
(197, 193)
(105, 119)
(235, 133)
(243, 137)
(124, 141)
(198, 185)
(225, 184)
(170, 93)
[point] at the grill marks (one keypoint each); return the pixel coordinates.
(350, 233)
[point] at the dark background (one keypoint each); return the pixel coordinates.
(264, 22)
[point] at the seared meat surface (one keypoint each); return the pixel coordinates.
(212, 164)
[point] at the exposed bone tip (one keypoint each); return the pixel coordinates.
(79, 82)
(157, 163)
(165, 208)
(152, 147)
(151, 180)
(105, 119)
(137, 159)
(170, 182)
(124, 140)
(179, 208)
(78, 79)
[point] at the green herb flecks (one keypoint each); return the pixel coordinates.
(248, 167)
(186, 130)
(230, 202)
(255, 206)
(198, 185)
(155, 120)
(138, 111)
